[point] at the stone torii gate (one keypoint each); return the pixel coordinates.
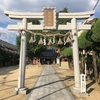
(49, 17)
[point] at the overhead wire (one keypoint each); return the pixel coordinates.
(96, 5)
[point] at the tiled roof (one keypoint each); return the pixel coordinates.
(90, 21)
(49, 52)
(7, 45)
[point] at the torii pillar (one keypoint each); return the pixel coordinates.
(22, 63)
(21, 79)
(75, 56)
(73, 26)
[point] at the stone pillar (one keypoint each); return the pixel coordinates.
(77, 87)
(22, 64)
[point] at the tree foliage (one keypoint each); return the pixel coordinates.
(8, 58)
(83, 42)
(96, 31)
(33, 49)
(63, 21)
(67, 52)
(91, 39)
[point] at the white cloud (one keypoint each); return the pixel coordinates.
(92, 2)
(37, 5)
(8, 36)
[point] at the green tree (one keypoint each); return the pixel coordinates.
(67, 52)
(63, 21)
(95, 36)
(89, 40)
(83, 42)
(96, 31)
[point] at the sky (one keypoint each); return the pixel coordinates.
(36, 6)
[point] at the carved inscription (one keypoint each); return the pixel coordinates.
(49, 18)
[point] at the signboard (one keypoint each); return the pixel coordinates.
(49, 18)
(83, 83)
(58, 62)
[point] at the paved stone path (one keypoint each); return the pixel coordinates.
(49, 87)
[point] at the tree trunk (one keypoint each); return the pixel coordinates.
(95, 66)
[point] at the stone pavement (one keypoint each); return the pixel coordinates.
(49, 87)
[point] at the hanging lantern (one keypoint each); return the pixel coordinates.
(68, 40)
(31, 40)
(50, 42)
(40, 41)
(58, 50)
(60, 41)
